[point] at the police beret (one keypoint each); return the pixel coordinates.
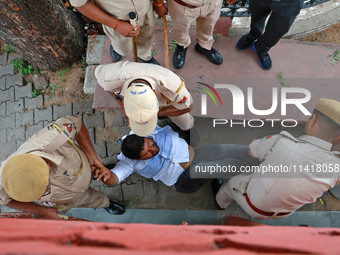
(329, 108)
(25, 177)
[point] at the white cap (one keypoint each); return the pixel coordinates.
(141, 107)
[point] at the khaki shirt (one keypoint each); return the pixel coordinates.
(199, 2)
(119, 9)
(63, 159)
(116, 77)
(288, 191)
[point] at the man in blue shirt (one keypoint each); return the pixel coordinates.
(166, 157)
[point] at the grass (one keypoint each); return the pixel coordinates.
(172, 45)
(283, 80)
(23, 67)
(336, 57)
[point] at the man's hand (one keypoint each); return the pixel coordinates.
(160, 10)
(126, 29)
(49, 213)
(101, 173)
(231, 2)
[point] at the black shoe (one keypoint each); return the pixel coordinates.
(115, 56)
(264, 58)
(244, 43)
(216, 184)
(213, 55)
(152, 60)
(115, 208)
(179, 56)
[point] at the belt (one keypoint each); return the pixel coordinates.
(269, 214)
(185, 4)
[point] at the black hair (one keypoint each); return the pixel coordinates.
(132, 146)
(328, 126)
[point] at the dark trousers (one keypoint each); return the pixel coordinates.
(222, 154)
(282, 15)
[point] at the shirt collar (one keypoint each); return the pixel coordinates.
(316, 141)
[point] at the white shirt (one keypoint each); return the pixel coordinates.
(172, 151)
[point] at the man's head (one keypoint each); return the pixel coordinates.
(325, 121)
(141, 107)
(136, 147)
(25, 177)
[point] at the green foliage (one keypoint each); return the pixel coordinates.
(9, 48)
(336, 57)
(83, 64)
(53, 87)
(216, 36)
(129, 204)
(283, 81)
(23, 67)
(34, 94)
(172, 45)
(153, 52)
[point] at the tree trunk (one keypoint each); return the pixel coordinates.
(44, 32)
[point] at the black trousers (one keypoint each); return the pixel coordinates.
(221, 154)
(282, 15)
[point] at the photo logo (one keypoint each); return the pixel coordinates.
(241, 100)
(204, 97)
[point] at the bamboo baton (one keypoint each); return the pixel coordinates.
(133, 17)
(165, 28)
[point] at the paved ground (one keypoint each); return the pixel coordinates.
(22, 115)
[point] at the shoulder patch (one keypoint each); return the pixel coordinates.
(68, 126)
(182, 101)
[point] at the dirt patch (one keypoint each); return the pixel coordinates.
(65, 85)
(329, 35)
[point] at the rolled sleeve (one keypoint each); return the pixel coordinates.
(122, 170)
(259, 148)
(78, 3)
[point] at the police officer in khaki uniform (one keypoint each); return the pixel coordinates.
(170, 98)
(293, 172)
(206, 14)
(51, 168)
(114, 15)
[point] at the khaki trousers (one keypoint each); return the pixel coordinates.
(123, 45)
(233, 189)
(205, 16)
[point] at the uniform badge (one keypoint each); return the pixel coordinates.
(184, 99)
(69, 127)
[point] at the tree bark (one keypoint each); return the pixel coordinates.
(44, 32)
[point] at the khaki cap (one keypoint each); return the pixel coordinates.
(329, 108)
(141, 107)
(25, 177)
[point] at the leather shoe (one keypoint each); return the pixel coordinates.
(216, 184)
(115, 56)
(152, 60)
(213, 55)
(264, 58)
(115, 208)
(179, 56)
(243, 43)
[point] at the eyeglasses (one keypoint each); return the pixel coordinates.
(48, 189)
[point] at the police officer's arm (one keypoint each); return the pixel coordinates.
(41, 211)
(85, 145)
(160, 8)
(91, 11)
(172, 111)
